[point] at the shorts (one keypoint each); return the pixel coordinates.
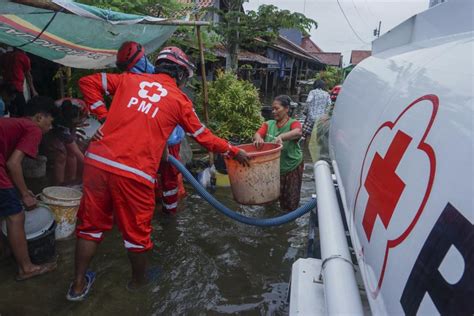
(109, 198)
(10, 203)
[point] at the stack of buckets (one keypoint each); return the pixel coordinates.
(39, 230)
(64, 203)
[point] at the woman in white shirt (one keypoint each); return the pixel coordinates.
(318, 101)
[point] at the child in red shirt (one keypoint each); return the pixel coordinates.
(20, 137)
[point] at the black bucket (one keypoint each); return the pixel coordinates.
(43, 248)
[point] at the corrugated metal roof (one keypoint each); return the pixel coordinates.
(253, 57)
(290, 48)
(247, 56)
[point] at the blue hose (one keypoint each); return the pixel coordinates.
(262, 222)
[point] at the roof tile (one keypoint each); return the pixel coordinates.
(359, 55)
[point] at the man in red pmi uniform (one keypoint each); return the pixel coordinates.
(120, 168)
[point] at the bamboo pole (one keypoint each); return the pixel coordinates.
(62, 89)
(204, 85)
(68, 81)
(266, 80)
(291, 74)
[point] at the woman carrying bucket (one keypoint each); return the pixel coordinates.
(286, 131)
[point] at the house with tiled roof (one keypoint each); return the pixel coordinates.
(294, 63)
(330, 59)
(309, 45)
(275, 66)
(327, 58)
(305, 42)
(359, 55)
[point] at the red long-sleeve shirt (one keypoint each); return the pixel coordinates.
(144, 111)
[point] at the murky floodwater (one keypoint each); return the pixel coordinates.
(210, 265)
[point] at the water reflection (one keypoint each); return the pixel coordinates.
(210, 265)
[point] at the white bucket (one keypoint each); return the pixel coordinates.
(64, 202)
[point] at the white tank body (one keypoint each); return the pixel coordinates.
(401, 141)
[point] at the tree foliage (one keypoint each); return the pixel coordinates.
(240, 29)
(234, 106)
(157, 8)
(268, 20)
(184, 37)
(332, 76)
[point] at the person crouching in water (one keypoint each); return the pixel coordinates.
(20, 137)
(286, 131)
(120, 167)
(60, 146)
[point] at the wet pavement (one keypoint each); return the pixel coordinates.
(210, 265)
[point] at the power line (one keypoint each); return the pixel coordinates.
(358, 13)
(370, 11)
(350, 25)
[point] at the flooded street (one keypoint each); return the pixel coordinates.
(210, 265)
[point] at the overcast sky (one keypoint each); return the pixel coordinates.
(334, 34)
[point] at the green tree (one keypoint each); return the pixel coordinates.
(332, 76)
(159, 8)
(240, 29)
(234, 106)
(184, 37)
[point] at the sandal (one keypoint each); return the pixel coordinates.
(78, 297)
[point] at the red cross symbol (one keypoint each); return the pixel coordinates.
(383, 184)
(152, 90)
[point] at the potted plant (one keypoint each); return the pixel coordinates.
(234, 110)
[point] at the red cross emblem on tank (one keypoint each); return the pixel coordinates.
(382, 174)
(396, 178)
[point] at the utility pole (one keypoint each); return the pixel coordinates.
(377, 31)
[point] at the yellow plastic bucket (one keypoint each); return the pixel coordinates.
(64, 202)
(222, 180)
(259, 183)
